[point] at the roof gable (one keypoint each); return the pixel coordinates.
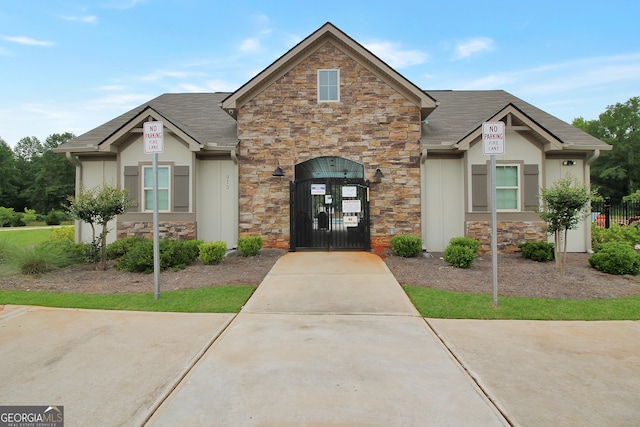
(458, 121)
(193, 117)
(328, 33)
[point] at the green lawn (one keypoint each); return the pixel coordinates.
(223, 299)
(436, 303)
(22, 237)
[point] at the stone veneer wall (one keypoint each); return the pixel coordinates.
(178, 230)
(510, 234)
(285, 125)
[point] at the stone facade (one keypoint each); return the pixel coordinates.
(178, 230)
(285, 125)
(510, 234)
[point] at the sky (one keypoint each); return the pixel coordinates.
(71, 65)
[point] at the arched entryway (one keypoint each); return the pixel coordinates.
(330, 205)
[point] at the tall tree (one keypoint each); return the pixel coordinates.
(8, 174)
(617, 172)
(55, 176)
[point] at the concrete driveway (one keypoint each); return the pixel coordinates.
(327, 339)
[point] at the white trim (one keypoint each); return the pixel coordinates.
(145, 189)
(518, 187)
(337, 71)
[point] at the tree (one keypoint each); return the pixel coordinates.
(99, 206)
(54, 179)
(617, 172)
(8, 173)
(563, 206)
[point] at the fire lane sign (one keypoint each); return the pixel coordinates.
(153, 137)
(493, 138)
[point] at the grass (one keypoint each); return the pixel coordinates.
(20, 237)
(222, 299)
(437, 303)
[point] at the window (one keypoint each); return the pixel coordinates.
(507, 188)
(328, 85)
(163, 188)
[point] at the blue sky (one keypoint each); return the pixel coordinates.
(71, 65)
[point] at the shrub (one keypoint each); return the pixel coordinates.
(17, 220)
(467, 242)
(65, 251)
(616, 258)
(138, 258)
(5, 216)
(54, 217)
(249, 246)
(177, 254)
(461, 252)
(212, 252)
(616, 233)
(406, 245)
(459, 256)
(67, 233)
(537, 251)
(120, 247)
(47, 256)
(174, 254)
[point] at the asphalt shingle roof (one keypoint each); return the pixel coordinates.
(458, 114)
(196, 114)
(462, 111)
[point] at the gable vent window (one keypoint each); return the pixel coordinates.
(328, 85)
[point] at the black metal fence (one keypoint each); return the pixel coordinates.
(622, 213)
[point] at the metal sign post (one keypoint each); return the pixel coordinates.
(493, 144)
(154, 144)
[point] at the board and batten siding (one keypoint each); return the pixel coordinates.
(217, 201)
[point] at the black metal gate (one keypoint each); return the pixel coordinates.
(330, 214)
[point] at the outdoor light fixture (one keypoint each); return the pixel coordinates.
(278, 172)
(568, 163)
(378, 174)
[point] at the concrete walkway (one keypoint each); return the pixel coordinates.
(327, 339)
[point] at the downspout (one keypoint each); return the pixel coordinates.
(587, 179)
(78, 164)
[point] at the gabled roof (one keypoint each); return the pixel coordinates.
(458, 121)
(328, 33)
(194, 117)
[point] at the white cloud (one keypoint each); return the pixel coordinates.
(393, 54)
(111, 88)
(471, 47)
(581, 74)
(250, 45)
(208, 86)
(87, 18)
(161, 74)
(27, 41)
(122, 4)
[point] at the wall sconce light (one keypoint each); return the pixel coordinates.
(568, 163)
(278, 171)
(378, 174)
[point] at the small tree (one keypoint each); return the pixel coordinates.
(99, 206)
(564, 205)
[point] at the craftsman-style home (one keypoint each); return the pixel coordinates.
(330, 148)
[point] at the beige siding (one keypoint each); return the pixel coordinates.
(442, 202)
(95, 173)
(576, 239)
(217, 195)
